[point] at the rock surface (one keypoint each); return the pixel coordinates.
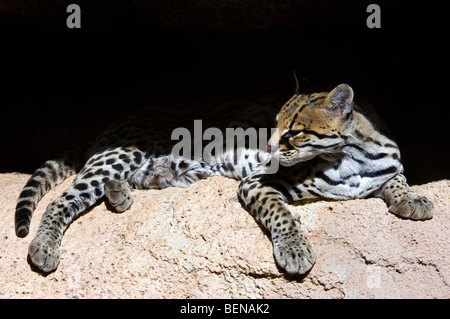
(200, 243)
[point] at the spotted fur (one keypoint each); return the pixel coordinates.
(328, 147)
(133, 154)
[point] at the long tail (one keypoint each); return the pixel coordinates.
(52, 173)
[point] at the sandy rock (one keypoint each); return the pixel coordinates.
(200, 243)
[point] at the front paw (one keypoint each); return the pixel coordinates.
(412, 206)
(294, 254)
(44, 254)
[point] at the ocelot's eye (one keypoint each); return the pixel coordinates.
(294, 133)
(286, 136)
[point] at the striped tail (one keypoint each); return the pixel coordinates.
(52, 173)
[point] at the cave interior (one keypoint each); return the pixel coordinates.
(60, 86)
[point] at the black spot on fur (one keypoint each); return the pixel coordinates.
(39, 174)
(260, 208)
(23, 203)
(32, 183)
(244, 172)
(27, 193)
(81, 186)
(137, 157)
(118, 167)
(94, 183)
(252, 201)
(125, 158)
(88, 175)
(23, 213)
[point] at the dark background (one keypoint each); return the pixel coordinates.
(59, 86)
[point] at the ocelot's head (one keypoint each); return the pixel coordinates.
(311, 124)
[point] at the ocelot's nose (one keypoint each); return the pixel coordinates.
(271, 148)
(272, 143)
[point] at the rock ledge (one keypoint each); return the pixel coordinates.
(200, 243)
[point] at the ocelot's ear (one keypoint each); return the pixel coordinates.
(341, 100)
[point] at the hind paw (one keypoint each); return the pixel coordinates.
(44, 254)
(118, 193)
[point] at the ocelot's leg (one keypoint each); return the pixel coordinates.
(86, 190)
(403, 202)
(266, 201)
(118, 193)
(44, 249)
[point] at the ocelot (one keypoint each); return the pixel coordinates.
(329, 146)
